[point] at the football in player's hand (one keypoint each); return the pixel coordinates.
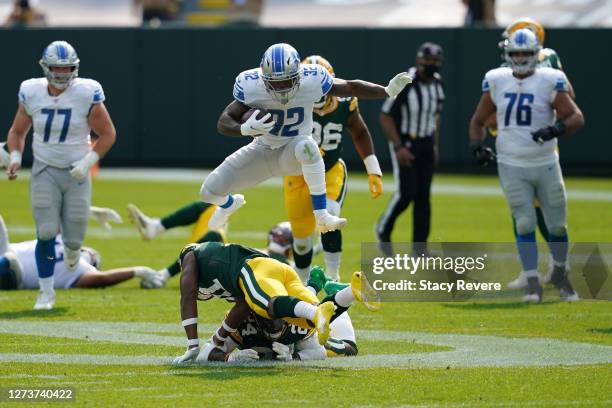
(262, 112)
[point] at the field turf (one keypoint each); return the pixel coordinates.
(113, 345)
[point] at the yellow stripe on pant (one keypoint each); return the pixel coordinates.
(298, 203)
(262, 279)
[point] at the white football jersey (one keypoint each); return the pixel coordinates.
(523, 107)
(61, 130)
(63, 278)
(294, 118)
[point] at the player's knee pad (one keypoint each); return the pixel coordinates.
(47, 231)
(525, 225)
(333, 207)
(557, 230)
(302, 246)
(307, 152)
(206, 192)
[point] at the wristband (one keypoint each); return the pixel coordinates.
(193, 342)
(227, 328)
(372, 166)
(189, 322)
(15, 157)
(91, 158)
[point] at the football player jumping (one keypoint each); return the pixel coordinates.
(284, 146)
(257, 282)
(527, 100)
(332, 115)
(63, 109)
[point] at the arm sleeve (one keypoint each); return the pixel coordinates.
(239, 89)
(98, 93)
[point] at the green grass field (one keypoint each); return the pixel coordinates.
(113, 345)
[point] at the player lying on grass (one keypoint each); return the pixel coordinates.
(254, 281)
(267, 339)
(278, 245)
(18, 268)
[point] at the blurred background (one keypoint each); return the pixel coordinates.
(168, 66)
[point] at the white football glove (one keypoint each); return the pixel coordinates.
(150, 279)
(245, 355)
(80, 168)
(104, 216)
(189, 356)
(256, 127)
(282, 351)
(5, 157)
(397, 83)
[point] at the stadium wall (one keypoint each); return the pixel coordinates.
(166, 87)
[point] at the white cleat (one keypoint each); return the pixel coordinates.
(146, 226)
(45, 300)
(519, 283)
(71, 258)
(329, 222)
(105, 216)
(221, 215)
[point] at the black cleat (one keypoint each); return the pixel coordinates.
(534, 291)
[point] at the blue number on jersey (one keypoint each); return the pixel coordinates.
(523, 109)
(66, 125)
(251, 75)
(286, 129)
(309, 71)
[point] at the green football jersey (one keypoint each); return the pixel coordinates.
(549, 58)
(328, 126)
(219, 267)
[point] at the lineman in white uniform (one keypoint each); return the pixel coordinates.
(284, 146)
(527, 100)
(63, 109)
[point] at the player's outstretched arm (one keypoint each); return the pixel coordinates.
(230, 120)
(189, 308)
(16, 140)
(368, 90)
(362, 139)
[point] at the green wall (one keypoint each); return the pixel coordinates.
(166, 87)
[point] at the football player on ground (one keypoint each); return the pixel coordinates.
(258, 283)
(18, 268)
(283, 144)
(63, 109)
(527, 100)
(332, 115)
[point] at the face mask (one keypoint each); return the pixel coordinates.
(430, 69)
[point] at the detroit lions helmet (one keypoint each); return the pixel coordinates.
(521, 51)
(280, 238)
(60, 54)
(280, 70)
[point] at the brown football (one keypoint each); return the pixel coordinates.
(261, 114)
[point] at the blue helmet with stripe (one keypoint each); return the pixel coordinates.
(521, 51)
(280, 71)
(60, 54)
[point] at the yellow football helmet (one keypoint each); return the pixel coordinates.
(526, 22)
(317, 59)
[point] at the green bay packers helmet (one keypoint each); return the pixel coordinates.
(526, 22)
(317, 59)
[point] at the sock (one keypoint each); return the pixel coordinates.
(228, 203)
(319, 202)
(528, 252)
(186, 215)
(284, 306)
(4, 265)
(558, 248)
(314, 175)
(45, 257)
(339, 308)
(46, 284)
(305, 310)
(344, 297)
(332, 264)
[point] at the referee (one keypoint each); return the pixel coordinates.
(411, 123)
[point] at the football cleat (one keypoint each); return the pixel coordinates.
(15, 266)
(71, 258)
(364, 293)
(322, 319)
(534, 291)
(559, 278)
(331, 287)
(221, 215)
(147, 227)
(104, 216)
(519, 283)
(317, 278)
(328, 222)
(45, 300)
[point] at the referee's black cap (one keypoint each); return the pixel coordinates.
(430, 49)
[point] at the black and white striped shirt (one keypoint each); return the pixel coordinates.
(414, 110)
